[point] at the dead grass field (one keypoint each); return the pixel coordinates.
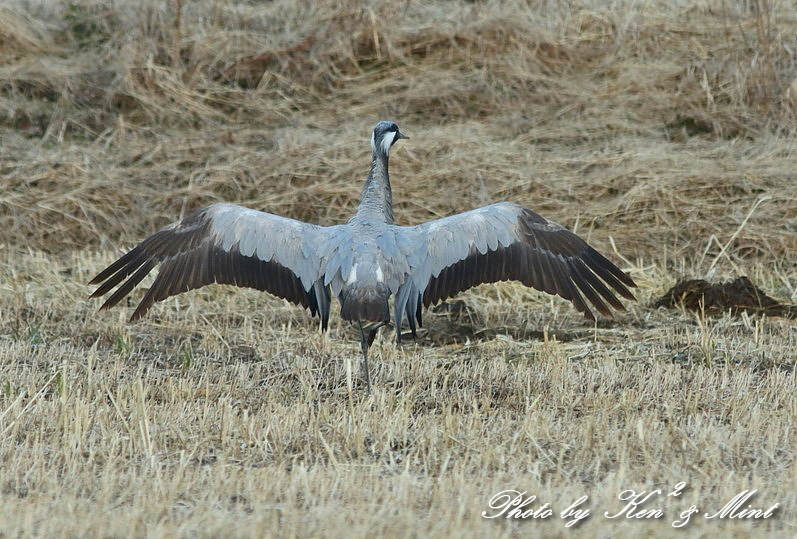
(666, 129)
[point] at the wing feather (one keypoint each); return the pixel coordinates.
(508, 242)
(125, 289)
(225, 244)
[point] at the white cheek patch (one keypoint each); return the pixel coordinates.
(373, 143)
(380, 277)
(387, 141)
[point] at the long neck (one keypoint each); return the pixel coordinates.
(377, 199)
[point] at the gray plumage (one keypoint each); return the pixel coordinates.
(368, 259)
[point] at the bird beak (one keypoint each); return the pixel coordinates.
(401, 135)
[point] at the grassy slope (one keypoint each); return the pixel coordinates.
(659, 128)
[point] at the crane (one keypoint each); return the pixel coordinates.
(369, 259)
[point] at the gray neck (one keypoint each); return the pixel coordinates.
(377, 199)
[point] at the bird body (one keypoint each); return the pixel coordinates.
(369, 259)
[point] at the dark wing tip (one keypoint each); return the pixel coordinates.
(630, 296)
(606, 270)
(130, 269)
(607, 264)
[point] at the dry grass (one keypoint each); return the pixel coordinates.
(666, 128)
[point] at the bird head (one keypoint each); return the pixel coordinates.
(384, 136)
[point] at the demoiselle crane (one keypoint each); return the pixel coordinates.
(368, 259)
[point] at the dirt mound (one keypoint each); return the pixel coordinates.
(737, 296)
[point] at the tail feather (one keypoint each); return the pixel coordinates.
(365, 303)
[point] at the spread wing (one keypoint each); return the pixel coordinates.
(225, 244)
(501, 242)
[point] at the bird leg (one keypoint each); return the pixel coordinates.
(365, 342)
